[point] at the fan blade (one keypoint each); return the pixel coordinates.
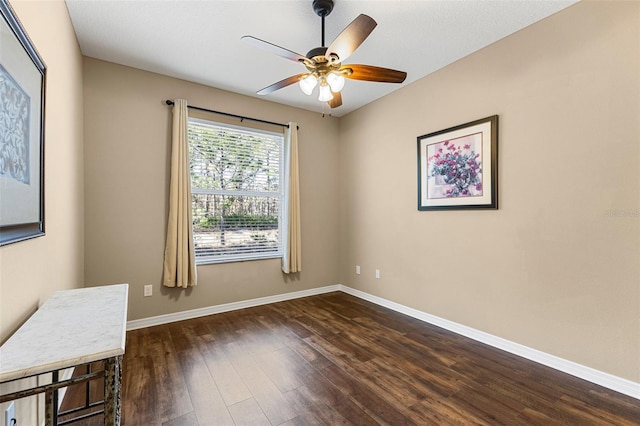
(351, 37)
(272, 48)
(371, 73)
(282, 83)
(336, 101)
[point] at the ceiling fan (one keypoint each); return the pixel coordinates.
(324, 64)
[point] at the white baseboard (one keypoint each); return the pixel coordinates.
(592, 375)
(227, 307)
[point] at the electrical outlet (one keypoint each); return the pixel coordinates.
(148, 290)
(358, 269)
(377, 273)
(10, 415)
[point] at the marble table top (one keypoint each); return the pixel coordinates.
(73, 327)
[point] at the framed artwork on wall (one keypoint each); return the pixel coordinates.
(22, 90)
(458, 167)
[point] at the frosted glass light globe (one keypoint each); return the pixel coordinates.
(335, 81)
(308, 83)
(325, 93)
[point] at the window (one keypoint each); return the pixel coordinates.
(238, 197)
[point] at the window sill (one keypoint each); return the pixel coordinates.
(230, 259)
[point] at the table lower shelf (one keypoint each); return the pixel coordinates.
(112, 375)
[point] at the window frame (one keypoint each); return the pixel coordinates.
(282, 194)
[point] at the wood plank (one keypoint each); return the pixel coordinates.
(247, 412)
(437, 410)
(310, 411)
(310, 355)
(328, 406)
(171, 392)
(189, 419)
(266, 393)
(139, 392)
(535, 418)
(367, 398)
(284, 367)
(592, 414)
(623, 406)
(208, 405)
(477, 403)
(335, 359)
(226, 378)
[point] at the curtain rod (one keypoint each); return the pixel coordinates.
(170, 102)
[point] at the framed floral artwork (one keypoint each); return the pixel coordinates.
(458, 167)
(22, 88)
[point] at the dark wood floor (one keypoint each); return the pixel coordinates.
(334, 359)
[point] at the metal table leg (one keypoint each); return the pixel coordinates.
(112, 381)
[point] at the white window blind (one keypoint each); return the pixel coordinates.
(237, 191)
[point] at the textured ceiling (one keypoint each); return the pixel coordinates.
(200, 41)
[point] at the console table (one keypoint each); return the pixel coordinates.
(72, 328)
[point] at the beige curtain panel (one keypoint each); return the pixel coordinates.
(179, 253)
(292, 260)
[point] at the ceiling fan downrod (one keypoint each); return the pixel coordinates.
(322, 8)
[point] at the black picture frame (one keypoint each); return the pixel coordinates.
(22, 113)
(458, 167)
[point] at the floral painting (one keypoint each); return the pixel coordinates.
(457, 167)
(14, 129)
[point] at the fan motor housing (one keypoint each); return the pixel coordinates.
(316, 51)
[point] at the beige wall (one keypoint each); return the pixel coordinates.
(550, 269)
(31, 271)
(127, 151)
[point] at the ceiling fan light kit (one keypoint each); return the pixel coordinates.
(324, 93)
(336, 81)
(308, 83)
(324, 64)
